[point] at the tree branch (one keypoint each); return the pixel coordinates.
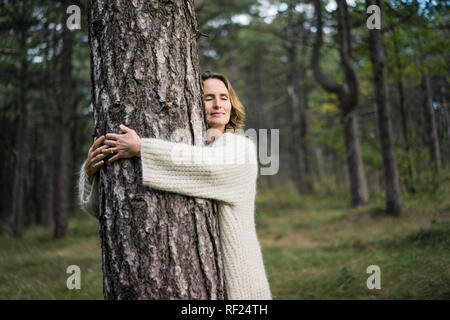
(328, 84)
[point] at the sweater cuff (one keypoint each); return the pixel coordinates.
(85, 185)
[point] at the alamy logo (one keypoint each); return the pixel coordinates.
(73, 21)
(374, 281)
(245, 149)
(74, 281)
(374, 21)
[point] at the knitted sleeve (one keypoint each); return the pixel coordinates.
(88, 194)
(224, 172)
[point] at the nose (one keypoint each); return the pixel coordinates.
(217, 103)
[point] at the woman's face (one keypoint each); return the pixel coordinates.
(217, 103)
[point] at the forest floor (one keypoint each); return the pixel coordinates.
(314, 247)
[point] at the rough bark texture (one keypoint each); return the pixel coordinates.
(145, 74)
(391, 177)
(348, 94)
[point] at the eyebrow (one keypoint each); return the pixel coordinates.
(212, 94)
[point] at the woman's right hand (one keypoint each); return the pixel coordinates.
(94, 160)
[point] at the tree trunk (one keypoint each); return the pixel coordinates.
(20, 141)
(63, 152)
(431, 129)
(348, 94)
(49, 137)
(35, 194)
(358, 184)
(446, 111)
(295, 101)
(404, 116)
(145, 74)
(391, 177)
(260, 110)
(308, 150)
(51, 132)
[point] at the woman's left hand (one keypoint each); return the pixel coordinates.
(124, 146)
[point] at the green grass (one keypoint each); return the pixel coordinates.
(34, 267)
(314, 247)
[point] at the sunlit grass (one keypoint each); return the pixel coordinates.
(314, 247)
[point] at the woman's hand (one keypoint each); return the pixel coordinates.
(124, 146)
(94, 160)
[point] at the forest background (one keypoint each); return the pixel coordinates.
(318, 232)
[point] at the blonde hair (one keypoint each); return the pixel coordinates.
(237, 115)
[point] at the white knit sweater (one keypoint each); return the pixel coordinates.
(226, 171)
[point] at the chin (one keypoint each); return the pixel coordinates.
(217, 124)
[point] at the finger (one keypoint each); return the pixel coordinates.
(111, 143)
(88, 163)
(99, 157)
(113, 136)
(98, 164)
(99, 150)
(124, 128)
(117, 156)
(98, 142)
(110, 150)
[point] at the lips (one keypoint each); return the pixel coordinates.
(217, 114)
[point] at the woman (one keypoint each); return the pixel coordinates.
(224, 170)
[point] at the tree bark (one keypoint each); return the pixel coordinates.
(20, 139)
(391, 176)
(446, 111)
(259, 111)
(431, 128)
(63, 140)
(348, 94)
(34, 193)
(308, 150)
(145, 74)
(404, 116)
(50, 123)
(295, 100)
(358, 185)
